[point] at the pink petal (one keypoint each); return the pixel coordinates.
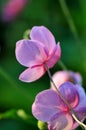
(43, 35)
(75, 125)
(76, 77)
(63, 76)
(59, 78)
(81, 92)
(46, 105)
(81, 114)
(62, 121)
(81, 109)
(54, 57)
(32, 74)
(70, 93)
(30, 53)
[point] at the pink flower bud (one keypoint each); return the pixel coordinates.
(63, 76)
(12, 9)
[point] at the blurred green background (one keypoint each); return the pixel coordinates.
(67, 21)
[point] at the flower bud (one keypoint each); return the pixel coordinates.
(42, 125)
(63, 76)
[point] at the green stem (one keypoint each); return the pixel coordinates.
(64, 100)
(13, 82)
(62, 65)
(69, 18)
(72, 26)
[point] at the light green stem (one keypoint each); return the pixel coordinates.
(72, 27)
(69, 18)
(62, 65)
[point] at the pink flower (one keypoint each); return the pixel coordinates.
(41, 49)
(63, 76)
(49, 107)
(12, 9)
